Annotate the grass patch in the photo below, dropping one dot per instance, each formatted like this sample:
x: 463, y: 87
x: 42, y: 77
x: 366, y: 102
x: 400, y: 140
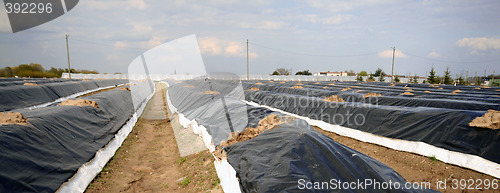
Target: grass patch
x: 185, y: 181
x: 433, y: 159
x: 182, y: 160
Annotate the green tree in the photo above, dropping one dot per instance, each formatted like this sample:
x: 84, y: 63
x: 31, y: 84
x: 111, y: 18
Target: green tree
x: 370, y: 78
x: 381, y: 78
x: 447, y: 78
x: 305, y: 72
x: 379, y: 72
x: 359, y: 78
x: 396, y: 79
x: 276, y: 72
x: 283, y: 71
x: 415, y: 79
x: 363, y: 73
x: 460, y: 80
x: 432, y: 79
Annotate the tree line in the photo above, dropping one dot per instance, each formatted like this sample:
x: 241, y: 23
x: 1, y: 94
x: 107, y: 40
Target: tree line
x: 433, y: 78
x: 34, y: 70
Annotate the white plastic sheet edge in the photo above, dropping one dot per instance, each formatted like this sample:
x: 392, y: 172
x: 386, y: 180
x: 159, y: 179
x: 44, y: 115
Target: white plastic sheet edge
x: 225, y: 171
x: 456, y: 158
x: 72, y: 96
x: 87, y: 172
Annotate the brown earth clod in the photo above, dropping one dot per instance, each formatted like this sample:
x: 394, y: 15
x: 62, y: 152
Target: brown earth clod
x: 253, y: 88
x: 79, y: 102
x: 345, y: 89
x: 407, y: 93
x: 490, y: 120
x: 333, y: 98
x: 297, y: 87
x: 210, y: 92
x: 125, y: 88
x: 249, y: 133
x: 30, y: 84
x: 12, y: 118
x: 371, y: 94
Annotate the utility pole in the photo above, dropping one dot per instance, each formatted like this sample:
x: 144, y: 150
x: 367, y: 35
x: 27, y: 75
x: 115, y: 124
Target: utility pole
x: 493, y: 77
x: 475, y: 79
x: 248, y: 68
x: 484, y: 79
x: 393, y: 54
x: 67, y: 51
x: 466, y: 76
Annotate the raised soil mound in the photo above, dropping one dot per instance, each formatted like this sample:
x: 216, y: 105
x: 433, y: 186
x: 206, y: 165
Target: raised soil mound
x: 333, y: 98
x: 188, y: 86
x: 456, y: 91
x: 253, y: 88
x: 12, y: 118
x: 210, y: 92
x: 297, y: 87
x: 345, y: 89
x: 490, y: 120
x: 265, y: 124
x: 407, y: 93
x: 371, y: 94
x: 79, y: 102
x: 30, y: 84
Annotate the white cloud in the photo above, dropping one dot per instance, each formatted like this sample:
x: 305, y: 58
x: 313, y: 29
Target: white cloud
x: 342, y: 5
x: 388, y: 54
x: 215, y: 46
x: 139, y: 4
x: 433, y: 55
x: 265, y: 25
x: 337, y: 19
x: 477, y: 44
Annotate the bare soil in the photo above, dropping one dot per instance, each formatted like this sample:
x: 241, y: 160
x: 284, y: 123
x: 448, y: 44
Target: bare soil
x: 333, y: 98
x: 79, y: 102
x: 149, y: 161
x: 413, y: 167
x: 210, y: 92
x: 371, y: 94
x: 12, y: 118
x: 30, y: 84
x: 345, y: 89
x: 490, y: 120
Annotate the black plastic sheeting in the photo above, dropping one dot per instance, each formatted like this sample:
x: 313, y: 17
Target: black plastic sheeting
x: 276, y: 160
x: 21, y: 81
x: 286, y: 158
x: 23, y: 96
x: 211, y: 110
x: 57, y: 140
x: 468, y: 99
x: 441, y: 127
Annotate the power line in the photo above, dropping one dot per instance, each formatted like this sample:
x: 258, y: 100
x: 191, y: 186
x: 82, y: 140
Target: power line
x: 317, y: 55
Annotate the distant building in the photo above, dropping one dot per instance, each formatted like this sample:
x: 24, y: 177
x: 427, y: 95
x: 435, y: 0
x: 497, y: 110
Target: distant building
x: 331, y: 73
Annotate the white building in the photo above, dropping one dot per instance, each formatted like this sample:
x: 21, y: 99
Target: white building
x: 331, y: 73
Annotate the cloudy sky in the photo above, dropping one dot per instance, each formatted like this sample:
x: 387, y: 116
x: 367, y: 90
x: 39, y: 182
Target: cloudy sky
x: 318, y: 35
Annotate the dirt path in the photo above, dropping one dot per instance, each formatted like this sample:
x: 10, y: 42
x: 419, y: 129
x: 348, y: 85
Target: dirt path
x: 149, y: 161
x: 417, y: 168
